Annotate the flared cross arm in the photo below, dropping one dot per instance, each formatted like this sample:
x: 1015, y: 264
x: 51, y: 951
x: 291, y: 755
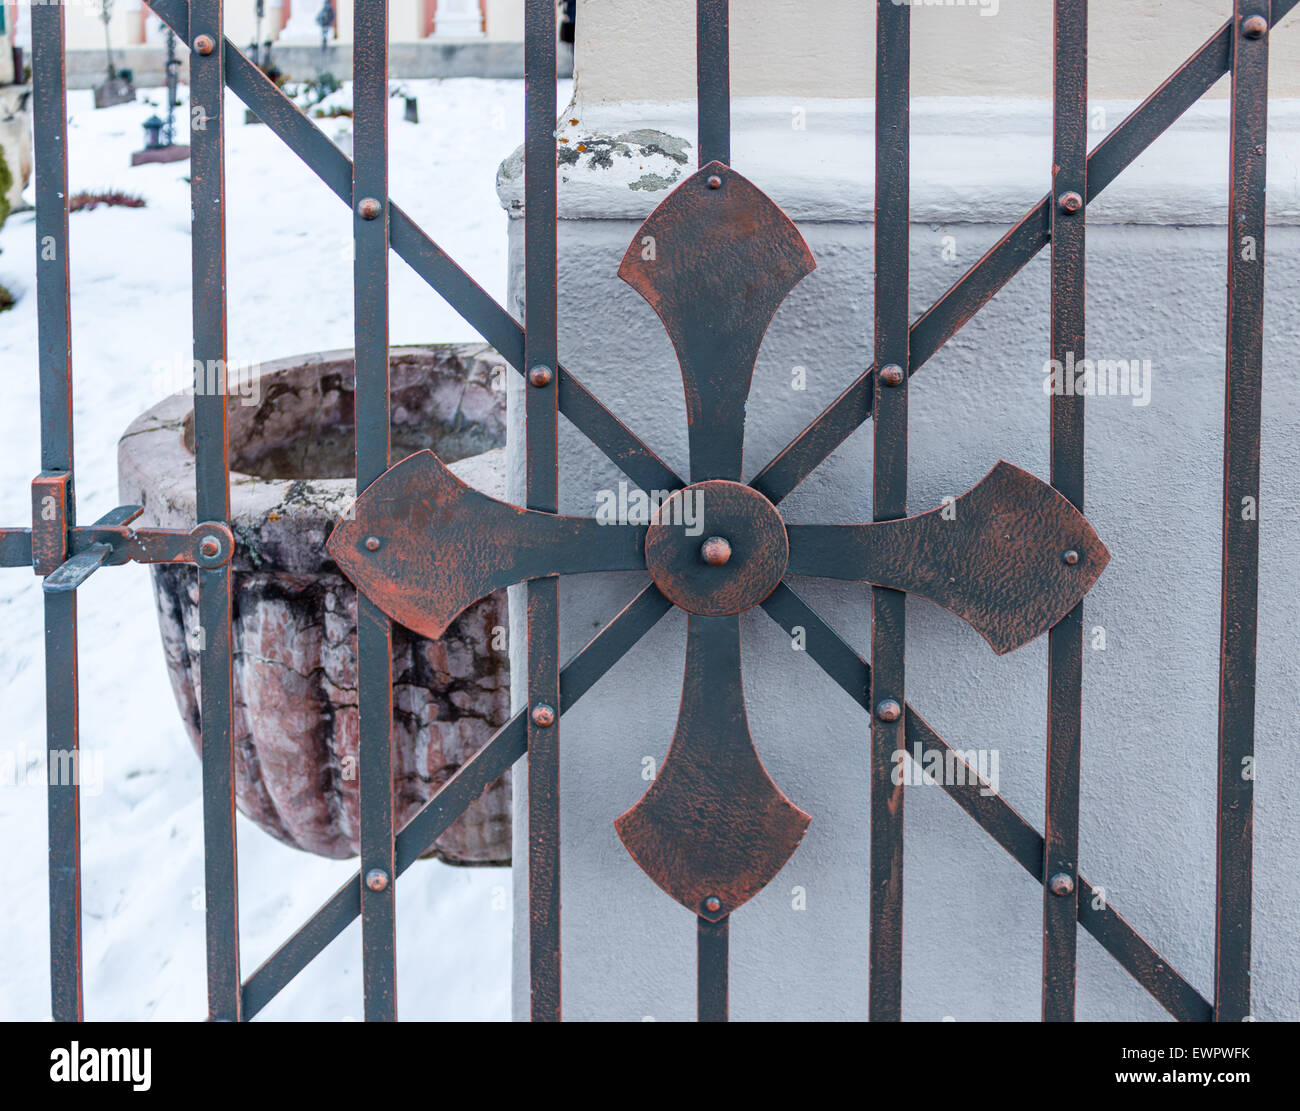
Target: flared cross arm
x: 715, y: 260
x: 713, y: 828
x: 1011, y: 556
x: 424, y: 546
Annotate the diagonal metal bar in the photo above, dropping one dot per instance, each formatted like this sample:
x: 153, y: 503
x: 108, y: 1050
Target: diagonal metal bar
x: 993, y: 813
x: 430, y: 261
x: 507, y: 745
x: 1004, y: 260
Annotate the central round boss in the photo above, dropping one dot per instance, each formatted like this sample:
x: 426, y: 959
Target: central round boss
x: 717, y: 548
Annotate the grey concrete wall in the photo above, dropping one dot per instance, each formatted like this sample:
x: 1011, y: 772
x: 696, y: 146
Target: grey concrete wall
x: 972, y: 946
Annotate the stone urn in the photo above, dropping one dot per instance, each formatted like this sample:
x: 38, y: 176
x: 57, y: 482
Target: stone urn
x: 294, y: 613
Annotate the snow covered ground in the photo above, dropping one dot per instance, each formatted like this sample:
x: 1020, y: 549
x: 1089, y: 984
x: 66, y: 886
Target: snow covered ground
x: 289, y: 285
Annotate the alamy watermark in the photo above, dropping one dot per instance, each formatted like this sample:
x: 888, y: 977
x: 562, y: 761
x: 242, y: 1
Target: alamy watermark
x: 986, y: 7
x: 1098, y: 378
x: 209, y: 378
x: 946, y: 767
x: 626, y: 506
x: 75, y: 767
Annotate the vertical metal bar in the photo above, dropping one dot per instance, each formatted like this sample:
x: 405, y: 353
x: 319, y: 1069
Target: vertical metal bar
x: 1065, y: 641
x: 713, y: 80
x: 64, y: 804
x: 713, y: 98
x: 1241, y: 439
x: 889, y: 502
x: 542, y: 426
x: 55, y: 353
x: 374, y: 629
x: 712, y: 941
x: 212, y: 488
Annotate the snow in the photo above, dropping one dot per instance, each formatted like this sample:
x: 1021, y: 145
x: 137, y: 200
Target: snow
x: 289, y: 291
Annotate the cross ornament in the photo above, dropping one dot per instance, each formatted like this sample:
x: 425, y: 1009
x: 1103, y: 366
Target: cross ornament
x: 1011, y: 556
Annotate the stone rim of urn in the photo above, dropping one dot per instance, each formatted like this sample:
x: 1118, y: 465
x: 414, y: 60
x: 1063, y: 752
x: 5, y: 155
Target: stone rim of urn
x: 294, y: 613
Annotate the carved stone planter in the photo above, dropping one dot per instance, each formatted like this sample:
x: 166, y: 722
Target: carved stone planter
x: 294, y: 616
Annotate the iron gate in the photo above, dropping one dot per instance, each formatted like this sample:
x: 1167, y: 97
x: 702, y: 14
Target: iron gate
x: 713, y: 828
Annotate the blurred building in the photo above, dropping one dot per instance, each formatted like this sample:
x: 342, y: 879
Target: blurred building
x: 430, y: 38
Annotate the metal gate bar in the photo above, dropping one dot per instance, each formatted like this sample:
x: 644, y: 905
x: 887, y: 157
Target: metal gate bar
x: 889, y: 502
x: 54, y: 344
x: 212, y: 489
x: 541, y: 419
x: 373, y: 456
x: 713, y: 144
x: 1241, y: 444
x: 1065, y: 641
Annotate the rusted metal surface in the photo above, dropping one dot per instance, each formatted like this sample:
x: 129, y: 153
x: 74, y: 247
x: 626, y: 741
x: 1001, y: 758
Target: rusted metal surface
x: 542, y: 436
x: 725, y: 258
x: 1065, y: 641
x: 1241, y: 447
x: 712, y: 982
x: 713, y: 80
x: 49, y: 533
x: 729, y: 572
x: 374, y: 630
x: 54, y: 347
x: 892, y: 227
x: 713, y: 829
x: 994, y: 556
x: 212, y: 489
x: 443, y: 545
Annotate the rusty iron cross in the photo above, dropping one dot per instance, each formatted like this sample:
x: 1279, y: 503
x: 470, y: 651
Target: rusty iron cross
x: 1011, y: 556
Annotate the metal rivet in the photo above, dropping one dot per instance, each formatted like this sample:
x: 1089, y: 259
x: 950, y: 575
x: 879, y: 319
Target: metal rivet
x: 892, y: 375
x: 1071, y: 557
x: 1071, y: 202
x: 376, y: 879
x: 369, y: 208
x: 715, y: 551
x: 540, y: 376
x: 543, y: 715
x: 372, y: 543
x: 1255, y: 27
x: 889, y: 710
x: 209, y: 547
x: 713, y: 904
x: 1061, y: 884
x: 204, y: 44
x: 715, y: 182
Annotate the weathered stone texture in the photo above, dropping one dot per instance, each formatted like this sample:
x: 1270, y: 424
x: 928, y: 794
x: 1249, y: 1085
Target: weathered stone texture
x: 295, y: 615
